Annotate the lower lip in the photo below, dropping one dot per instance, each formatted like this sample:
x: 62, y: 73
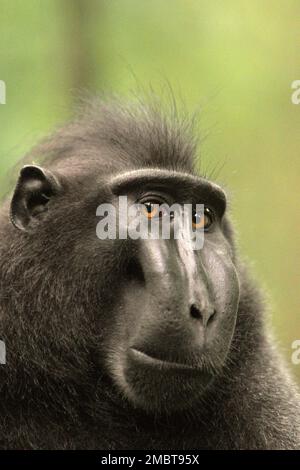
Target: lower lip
x: 144, y: 359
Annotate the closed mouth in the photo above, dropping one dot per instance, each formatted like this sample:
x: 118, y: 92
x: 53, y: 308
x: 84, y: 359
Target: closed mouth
x: 155, y: 362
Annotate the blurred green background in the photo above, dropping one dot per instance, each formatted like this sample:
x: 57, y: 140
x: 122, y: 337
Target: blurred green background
x: 235, y: 60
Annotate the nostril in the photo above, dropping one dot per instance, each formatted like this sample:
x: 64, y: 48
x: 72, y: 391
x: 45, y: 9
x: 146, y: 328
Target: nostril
x: 195, y: 312
x: 211, y: 317
x: 206, y: 316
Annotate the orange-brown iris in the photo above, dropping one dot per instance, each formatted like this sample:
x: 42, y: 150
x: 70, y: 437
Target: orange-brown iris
x: 151, y: 210
x: 202, y: 221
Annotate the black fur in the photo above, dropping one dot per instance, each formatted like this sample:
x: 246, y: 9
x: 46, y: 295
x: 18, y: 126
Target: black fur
x: 57, y: 287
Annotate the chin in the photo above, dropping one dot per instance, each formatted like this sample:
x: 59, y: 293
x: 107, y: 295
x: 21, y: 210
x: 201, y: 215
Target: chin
x: 160, y: 386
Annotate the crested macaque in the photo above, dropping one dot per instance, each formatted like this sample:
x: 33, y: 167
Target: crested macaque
x: 131, y: 343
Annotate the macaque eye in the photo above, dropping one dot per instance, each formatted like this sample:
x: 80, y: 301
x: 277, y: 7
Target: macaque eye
x: 150, y: 209
x: 203, y: 220
x: 154, y: 209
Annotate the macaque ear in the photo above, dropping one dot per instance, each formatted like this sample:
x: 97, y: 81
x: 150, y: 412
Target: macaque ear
x: 34, y: 189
